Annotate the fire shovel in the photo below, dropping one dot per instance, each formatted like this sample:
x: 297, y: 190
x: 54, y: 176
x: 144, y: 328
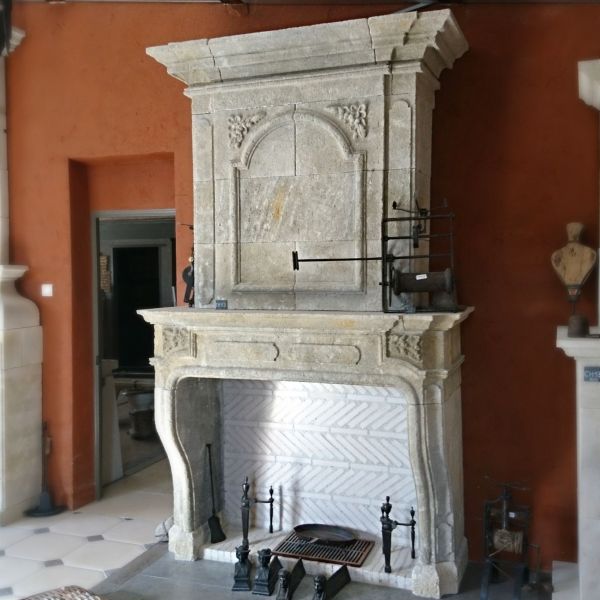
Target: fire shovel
x: 216, y: 531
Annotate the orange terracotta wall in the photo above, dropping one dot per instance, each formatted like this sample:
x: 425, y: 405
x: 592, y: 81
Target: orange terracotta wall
x: 127, y: 183
x: 514, y: 151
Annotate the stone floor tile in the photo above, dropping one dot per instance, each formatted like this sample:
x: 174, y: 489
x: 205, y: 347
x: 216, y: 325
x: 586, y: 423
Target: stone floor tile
x: 12, y: 535
x: 152, y: 588
x: 155, y: 478
x: 14, y: 569
x: 45, y: 546
x: 103, y: 555
x: 136, y: 531
x: 55, y: 577
x: 177, y: 570
x: 84, y: 525
x: 138, y: 505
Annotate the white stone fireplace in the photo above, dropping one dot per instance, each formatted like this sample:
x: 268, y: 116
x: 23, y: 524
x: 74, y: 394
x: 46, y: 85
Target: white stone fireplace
x: 581, y: 582
x: 303, y: 140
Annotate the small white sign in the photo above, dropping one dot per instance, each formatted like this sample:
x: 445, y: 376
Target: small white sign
x: 421, y: 276
x: 47, y: 290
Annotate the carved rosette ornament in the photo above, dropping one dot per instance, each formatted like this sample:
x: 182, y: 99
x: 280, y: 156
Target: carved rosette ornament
x: 355, y: 116
x: 239, y: 126
x: 406, y: 346
x: 175, y: 340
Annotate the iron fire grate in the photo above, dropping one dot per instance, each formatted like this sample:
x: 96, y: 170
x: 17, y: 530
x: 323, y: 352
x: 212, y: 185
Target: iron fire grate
x: 351, y: 555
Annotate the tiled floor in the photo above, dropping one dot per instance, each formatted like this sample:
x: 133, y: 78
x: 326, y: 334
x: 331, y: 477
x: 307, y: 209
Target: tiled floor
x: 84, y: 547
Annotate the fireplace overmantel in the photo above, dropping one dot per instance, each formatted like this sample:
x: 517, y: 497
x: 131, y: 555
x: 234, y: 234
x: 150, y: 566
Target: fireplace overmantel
x: 304, y: 139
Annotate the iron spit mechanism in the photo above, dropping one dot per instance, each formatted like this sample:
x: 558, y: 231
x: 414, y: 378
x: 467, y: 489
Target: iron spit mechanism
x: 403, y: 283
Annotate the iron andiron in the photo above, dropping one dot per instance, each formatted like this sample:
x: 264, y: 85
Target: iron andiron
x: 266, y: 573
x: 326, y: 589
x: 247, y: 503
x: 241, y: 575
x: 288, y: 582
x: 388, y: 525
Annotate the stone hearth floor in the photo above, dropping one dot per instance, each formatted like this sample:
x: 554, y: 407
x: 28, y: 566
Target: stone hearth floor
x: 156, y: 576
x: 370, y: 572
x: 86, y: 546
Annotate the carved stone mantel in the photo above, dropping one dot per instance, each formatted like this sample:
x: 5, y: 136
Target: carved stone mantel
x: 419, y: 354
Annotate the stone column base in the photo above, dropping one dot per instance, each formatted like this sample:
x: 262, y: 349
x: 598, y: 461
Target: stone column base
x: 20, y: 399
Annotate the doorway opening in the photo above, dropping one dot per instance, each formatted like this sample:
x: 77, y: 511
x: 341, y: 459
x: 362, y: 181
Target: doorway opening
x: 135, y: 269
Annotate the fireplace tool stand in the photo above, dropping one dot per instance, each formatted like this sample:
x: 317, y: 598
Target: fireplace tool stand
x: 401, y: 290
x: 388, y: 525
x: 241, y: 577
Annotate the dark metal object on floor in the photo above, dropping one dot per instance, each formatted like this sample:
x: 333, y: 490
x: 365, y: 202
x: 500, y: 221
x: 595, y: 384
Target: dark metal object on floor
x: 388, y: 525
x: 326, y: 589
x: 289, y: 582
x: 241, y: 575
x: 267, y: 573
x: 46, y: 506
x: 506, y: 543
x: 214, y: 525
x: 352, y: 554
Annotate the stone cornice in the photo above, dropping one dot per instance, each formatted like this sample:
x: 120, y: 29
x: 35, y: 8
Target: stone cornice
x: 330, y: 321
x: 589, y: 82
x: 432, y: 37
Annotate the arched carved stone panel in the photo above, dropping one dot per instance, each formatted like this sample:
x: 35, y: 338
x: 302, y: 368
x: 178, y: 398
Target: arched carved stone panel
x: 284, y: 196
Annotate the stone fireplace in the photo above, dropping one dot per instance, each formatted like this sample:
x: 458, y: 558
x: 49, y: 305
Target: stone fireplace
x: 303, y: 140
